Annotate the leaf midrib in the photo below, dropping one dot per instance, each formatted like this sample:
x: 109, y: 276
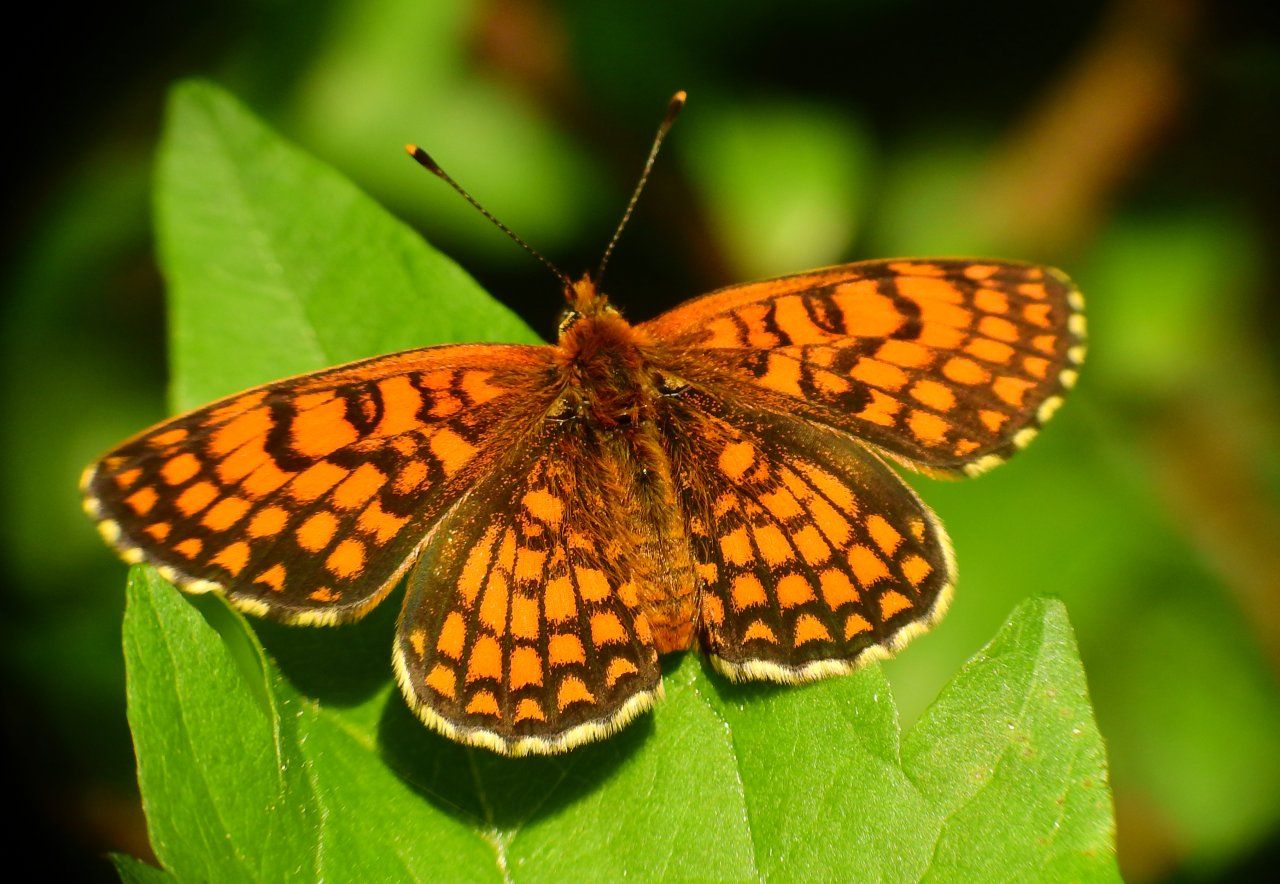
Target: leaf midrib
x: 739, y: 782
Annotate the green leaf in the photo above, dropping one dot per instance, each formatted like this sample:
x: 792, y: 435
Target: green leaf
x: 134, y: 871
x: 244, y: 780
x: 275, y: 260
x: 242, y: 777
x: 281, y: 752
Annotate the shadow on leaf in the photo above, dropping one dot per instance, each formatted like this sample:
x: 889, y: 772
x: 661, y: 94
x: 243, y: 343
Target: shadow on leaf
x: 491, y: 790
x: 339, y: 666
x: 742, y: 693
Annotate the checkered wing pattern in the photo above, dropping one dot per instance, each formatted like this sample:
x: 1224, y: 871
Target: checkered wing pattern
x: 948, y: 366
x: 522, y: 630
x: 813, y: 556
x: 306, y: 499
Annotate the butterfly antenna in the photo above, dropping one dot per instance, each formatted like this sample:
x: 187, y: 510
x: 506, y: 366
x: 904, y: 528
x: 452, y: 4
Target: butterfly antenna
x: 673, y: 109
x: 425, y: 160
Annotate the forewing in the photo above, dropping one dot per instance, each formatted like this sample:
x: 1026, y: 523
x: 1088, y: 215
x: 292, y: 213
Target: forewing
x: 814, y: 556
x: 305, y: 499
x: 946, y: 365
x: 522, y: 630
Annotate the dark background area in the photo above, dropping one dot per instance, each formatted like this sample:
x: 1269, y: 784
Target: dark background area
x: 1131, y: 142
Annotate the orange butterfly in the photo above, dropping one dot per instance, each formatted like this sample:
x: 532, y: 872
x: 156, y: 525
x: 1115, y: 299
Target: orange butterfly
x: 576, y: 510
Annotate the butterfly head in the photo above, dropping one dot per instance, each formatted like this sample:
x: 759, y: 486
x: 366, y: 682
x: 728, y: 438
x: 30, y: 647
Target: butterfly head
x: 585, y: 301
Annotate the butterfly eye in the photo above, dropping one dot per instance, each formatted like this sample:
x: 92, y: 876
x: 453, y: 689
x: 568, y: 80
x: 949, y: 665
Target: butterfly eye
x: 567, y: 319
x: 669, y: 385
x: 563, y: 409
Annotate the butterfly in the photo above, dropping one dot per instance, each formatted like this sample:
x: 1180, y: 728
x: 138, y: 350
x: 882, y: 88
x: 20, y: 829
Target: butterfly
x: 567, y: 513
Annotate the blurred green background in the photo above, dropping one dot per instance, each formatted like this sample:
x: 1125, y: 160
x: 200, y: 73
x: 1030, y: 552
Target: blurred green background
x: 1131, y: 142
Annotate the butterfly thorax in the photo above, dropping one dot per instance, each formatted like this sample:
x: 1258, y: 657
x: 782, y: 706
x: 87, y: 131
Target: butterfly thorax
x: 601, y: 364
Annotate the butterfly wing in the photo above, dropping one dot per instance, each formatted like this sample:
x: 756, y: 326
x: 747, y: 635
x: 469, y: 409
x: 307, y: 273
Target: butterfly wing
x: 305, y: 499
x: 522, y: 630
x: 814, y: 556
x: 948, y: 366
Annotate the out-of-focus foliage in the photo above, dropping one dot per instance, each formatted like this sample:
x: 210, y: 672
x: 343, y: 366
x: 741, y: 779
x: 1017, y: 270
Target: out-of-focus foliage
x: 1122, y: 141
x: 785, y: 184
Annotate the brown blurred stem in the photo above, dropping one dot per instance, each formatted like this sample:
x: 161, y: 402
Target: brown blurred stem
x: 1049, y: 183
x: 1048, y: 187
x: 1210, y: 473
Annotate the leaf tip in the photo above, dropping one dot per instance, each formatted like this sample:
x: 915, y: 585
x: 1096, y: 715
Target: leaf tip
x: 191, y: 89
x: 1048, y: 610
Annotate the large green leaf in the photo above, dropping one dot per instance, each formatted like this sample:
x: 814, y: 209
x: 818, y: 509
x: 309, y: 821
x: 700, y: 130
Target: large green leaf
x: 278, y: 265
x: 244, y: 778
x: 278, y: 752
x: 134, y: 871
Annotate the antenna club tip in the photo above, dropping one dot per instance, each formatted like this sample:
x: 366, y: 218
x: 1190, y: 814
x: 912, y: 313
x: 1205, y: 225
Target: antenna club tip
x: 424, y: 159
x: 673, y: 108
